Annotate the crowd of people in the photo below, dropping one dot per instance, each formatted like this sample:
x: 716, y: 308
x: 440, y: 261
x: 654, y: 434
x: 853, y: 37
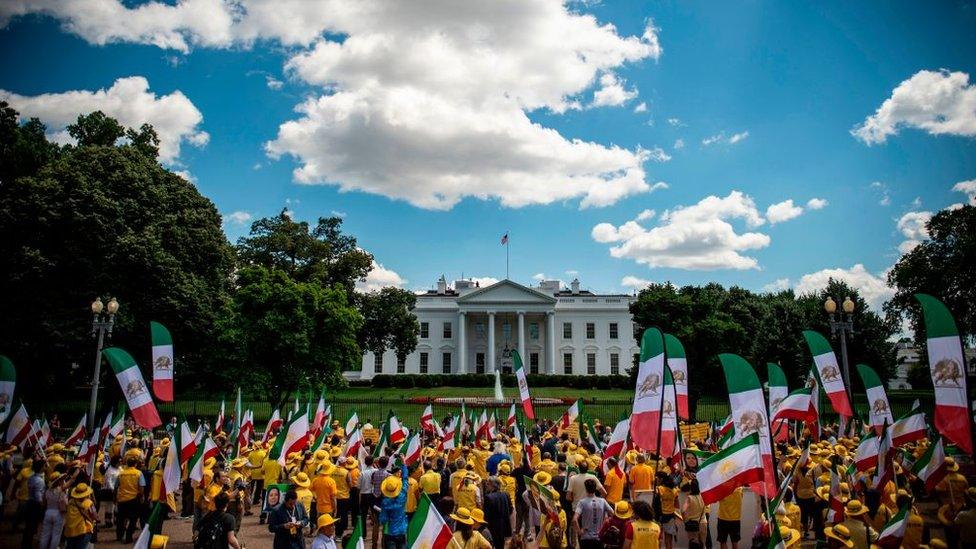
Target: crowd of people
x: 555, y: 492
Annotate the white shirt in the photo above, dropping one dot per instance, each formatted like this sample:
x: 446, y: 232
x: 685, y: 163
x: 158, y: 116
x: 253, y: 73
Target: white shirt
x: 366, y: 480
x: 323, y: 541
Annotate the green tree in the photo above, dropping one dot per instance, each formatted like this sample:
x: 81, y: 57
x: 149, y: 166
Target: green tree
x: 23, y: 147
x: 941, y: 266
x: 101, y: 219
x: 388, y: 322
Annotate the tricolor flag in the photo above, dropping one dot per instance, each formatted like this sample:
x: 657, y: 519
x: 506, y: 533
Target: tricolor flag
x: 354, y: 441
x: 273, y: 423
x: 795, y: 406
x: 19, y: 427
x: 669, y: 422
x: 427, y: 529
x: 866, y: 455
x: 813, y: 421
x: 219, y: 425
x: 591, y: 435
x: 570, y: 415
x: 526, y: 443
x: 395, y: 430
x: 410, y: 450
x: 293, y: 438
x: 909, y: 427
x: 427, y: 418
x: 678, y: 363
x: 356, y: 540
x: 886, y: 470
x: 163, y: 361
x: 645, y: 420
x: 450, y: 433
x: 172, y: 470
x: 133, y: 387
x: 118, y: 423
x: 948, y: 368
x: 153, y: 527
x: 510, y: 422
x: 878, y: 410
x: 206, y: 449
x: 44, y: 434
x: 8, y: 381
x: 894, y: 530
x: 778, y: 391
x: 738, y: 465
x: 352, y: 422
x: 618, y: 440
x: 727, y: 425
x: 835, y: 507
x: 523, y: 385
x: 104, y: 429
x: 318, y: 442
x: 188, y: 442
x: 931, y: 468
x: 749, y: 411
x: 78, y: 434
x: 830, y: 374
x: 318, y: 422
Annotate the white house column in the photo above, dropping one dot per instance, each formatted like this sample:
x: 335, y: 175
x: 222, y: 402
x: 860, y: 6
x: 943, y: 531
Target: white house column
x: 521, y: 335
x: 462, y: 344
x: 491, y: 342
x: 551, y: 342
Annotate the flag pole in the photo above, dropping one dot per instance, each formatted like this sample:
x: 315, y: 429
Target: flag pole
x: 508, y: 247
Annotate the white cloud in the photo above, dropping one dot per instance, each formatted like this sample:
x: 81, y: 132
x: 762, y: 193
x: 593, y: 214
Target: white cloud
x: 679, y: 143
x: 697, y: 237
x: 612, y: 92
x: 484, y: 281
x: 885, y: 199
x: 968, y: 188
x: 634, y: 282
x: 645, y: 215
x: 380, y: 277
x: 939, y: 102
x: 571, y: 272
x: 185, y: 174
x: 174, y: 117
x: 777, y: 285
x: 872, y: 287
x: 273, y: 83
x: 657, y: 154
x: 721, y: 138
x: 912, y: 227
x: 239, y: 217
x: 337, y: 213
x: 539, y: 277
x: 817, y: 203
x: 641, y: 107
x: 675, y: 122
x: 783, y: 211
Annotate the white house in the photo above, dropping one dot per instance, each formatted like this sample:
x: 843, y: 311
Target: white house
x: 469, y: 329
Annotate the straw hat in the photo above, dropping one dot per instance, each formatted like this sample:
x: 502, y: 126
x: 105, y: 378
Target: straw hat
x: 326, y: 468
x: 840, y: 533
x: 542, y: 478
x: 946, y: 514
x: 351, y: 463
x: 463, y: 515
x: 159, y: 541
x: 789, y: 535
x: 478, y: 515
x: 209, y: 463
x: 505, y: 469
x: 335, y: 452
x: 391, y: 486
x: 855, y: 508
x: 483, y: 444
x: 623, y: 510
x: 321, y: 455
x: 55, y: 448
x: 301, y: 480
x: 951, y: 464
x: 164, y: 443
x: 238, y: 463
x: 325, y: 519
x: 428, y: 452
x: 81, y: 490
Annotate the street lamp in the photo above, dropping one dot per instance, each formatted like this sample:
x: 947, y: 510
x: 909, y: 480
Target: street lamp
x: 843, y: 327
x: 101, y: 327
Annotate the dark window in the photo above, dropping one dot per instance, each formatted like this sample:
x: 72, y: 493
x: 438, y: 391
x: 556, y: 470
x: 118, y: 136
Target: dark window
x: 613, y: 330
x: 591, y: 363
x: 446, y: 363
x: 614, y: 364
x: 424, y: 330
x: 423, y: 362
x: 533, y: 330
x: 567, y: 330
x: 378, y: 363
x: 448, y: 332
x: 568, y: 363
x: 401, y: 365
x: 479, y: 363
x: 590, y: 330
x: 533, y: 363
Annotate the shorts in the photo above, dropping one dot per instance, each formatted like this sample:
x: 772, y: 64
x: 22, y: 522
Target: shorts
x: 729, y: 530
x: 668, y: 525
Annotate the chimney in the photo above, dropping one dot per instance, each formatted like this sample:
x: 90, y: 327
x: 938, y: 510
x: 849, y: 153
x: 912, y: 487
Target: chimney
x: 441, y: 285
x: 574, y: 285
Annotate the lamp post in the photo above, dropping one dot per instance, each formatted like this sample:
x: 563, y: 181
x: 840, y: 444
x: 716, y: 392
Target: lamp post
x: 101, y: 327
x: 843, y: 327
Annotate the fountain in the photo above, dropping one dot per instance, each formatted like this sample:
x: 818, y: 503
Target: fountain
x: 498, y: 386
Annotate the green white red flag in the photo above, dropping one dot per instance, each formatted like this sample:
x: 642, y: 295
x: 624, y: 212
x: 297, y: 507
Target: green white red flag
x: 172, y: 470
x: 219, y: 424
x: 395, y: 430
x: 570, y: 415
x: 738, y: 465
x: 749, y: 412
x: 448, y: 441
x: 318, y: 422
x: 510, y: 422
x: 410, y: 450
x: 19, y: 427
x: 352, y: 422
x: 133, y: 387
x: 830, y: 375
x: 274, y: 422
x: 356, y: 540
x: 948, y: 369
x: 154, y: 525
x: 931, y: 468
x: 795, y: 406
x: 879, y: 411
x: 523, y: 385
x: 188, y: 442
x: 354, y: 441
x: 678, y: 363
x: 866, y: 455
x: 427, y: 528
x: 778, y: 391
x: 645, y: 422
x: 163, y: 361
x: 909, y: 427
x: 427, y: 418
x: 894, y: 530
x: 206, y: 449
x: 8, y: 382
x: 78, y: 433
x: 292, y: 438
x: 669, y: 421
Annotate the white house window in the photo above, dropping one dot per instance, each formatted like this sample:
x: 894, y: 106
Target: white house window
x: 448, y: 331
x: 590, y: 330
x: 591, y: 363
x: 534, y: 330
x: 479, y: 363
x: 613, y: 330
x: 424, y: 361
x: 479, y: 330
x: 401, y: 365
x: 424, y: 330
x: 446, y: 363
x: 568, y: 363
x: 378, y: 363
x: 614, y: 364
x: 533, y: 363
x: 567, y: 330
x: 506, y: 332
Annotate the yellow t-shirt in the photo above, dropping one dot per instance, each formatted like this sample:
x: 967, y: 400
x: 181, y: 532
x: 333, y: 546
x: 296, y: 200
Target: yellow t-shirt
x: 546, y: 524
x: 22, y: 477
x: 481, y: 462
x: 467, y: 496
x: 614, y: 484
x: 339, y: 476
x: 640, y: 477
x: 305, y: 497
x: 75, y: 521
x: 476, y: 541
x: 128, y: 484
x: 669, y: 497
x: 272, y: 472
x: 324, y: 489
x: 646, y: 534
x: 508, y: 486
x: 413, y: 495
x: 730, y: 507
x: 431, y: 482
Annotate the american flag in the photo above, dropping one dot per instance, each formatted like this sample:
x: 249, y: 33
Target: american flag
x: 504, y: 239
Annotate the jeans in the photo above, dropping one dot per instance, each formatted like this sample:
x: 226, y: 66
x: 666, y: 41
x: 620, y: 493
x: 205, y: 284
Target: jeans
x: 51, y: 529
x: 126, y: 519
x: 33, y: 513
x: 395, y: 542
x: 342, y: 516
x: 77, y: 542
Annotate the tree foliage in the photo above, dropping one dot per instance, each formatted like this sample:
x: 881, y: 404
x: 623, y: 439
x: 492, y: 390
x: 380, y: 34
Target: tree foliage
x: 388, y: 322
x: 942, y: 266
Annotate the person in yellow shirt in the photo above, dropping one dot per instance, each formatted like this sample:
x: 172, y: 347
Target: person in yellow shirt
x: 430, y: 482
x: 465, y: 535
x: 667, y: 492
x: 457, y: 477
x: 129, y: 495
x: 642, y: 532
x: 952, y: 488
x: 729, y: 519
x: 546, y: 523
x: 480, y: 456
x: 547, y: 465
x: 324, y: 489
x: 640, y: 476
x: 80, y: 518
x: 413, y: 497
x: 506, y: 481
x: 302, y: 483
x: 342, y: 478
x: 468, y: 493
x: 614, y: 482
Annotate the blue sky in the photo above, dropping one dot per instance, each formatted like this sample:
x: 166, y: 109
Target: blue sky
x: 789, y: 81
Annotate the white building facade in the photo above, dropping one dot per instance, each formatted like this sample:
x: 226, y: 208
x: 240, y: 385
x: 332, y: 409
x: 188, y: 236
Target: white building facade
x: 470, y: 329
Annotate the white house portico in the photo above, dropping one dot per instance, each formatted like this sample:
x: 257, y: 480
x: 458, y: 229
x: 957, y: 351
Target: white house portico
x: 470, y: 329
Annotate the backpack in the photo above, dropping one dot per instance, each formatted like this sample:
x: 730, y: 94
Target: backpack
x: 612, y: 537
x: 554, y: 535
x: 211, y: 534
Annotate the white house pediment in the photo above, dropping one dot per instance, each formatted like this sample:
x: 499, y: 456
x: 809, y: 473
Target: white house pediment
x: 506, y: 292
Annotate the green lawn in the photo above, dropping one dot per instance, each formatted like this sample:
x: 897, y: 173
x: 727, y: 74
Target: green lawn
x: 434, y: 392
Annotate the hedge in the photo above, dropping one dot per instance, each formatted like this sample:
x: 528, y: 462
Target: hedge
x: 409, y: 381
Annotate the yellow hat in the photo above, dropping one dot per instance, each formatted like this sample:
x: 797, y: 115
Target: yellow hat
x: 55, y: 448
x: 946, y: 514
x: 159, y: 541
x: 301, y: 479
x: 951, y: 464
x: 238, y: 463
x: 428, y: 452
x: 789, y: 535
x: 854, y: 508
x: 325, y: 519
x: 505, y: 469
x: 164, y: 443
x: 321, y: 455
x: 351, y: 463
x: 209, y: 463
x: 326, y: 468
x: 623, y: 510
x: 542, y: 478
x: 483, y: 444
x: 478, y: 515
x: 463, y: 515
x: 336, y: 451
x: 391, y: 487
x: 840, y: 533
x: 81, y: 490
